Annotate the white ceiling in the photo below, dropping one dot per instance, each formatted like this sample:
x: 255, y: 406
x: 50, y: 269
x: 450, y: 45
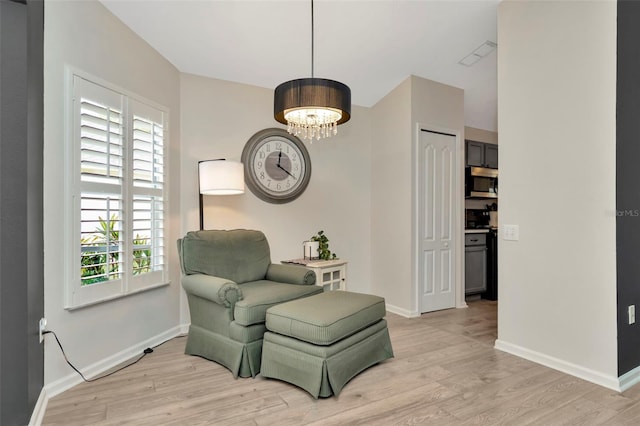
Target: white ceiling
x: 371, y: 46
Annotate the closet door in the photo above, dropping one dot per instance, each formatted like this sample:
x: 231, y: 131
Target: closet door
x: 437, y: 230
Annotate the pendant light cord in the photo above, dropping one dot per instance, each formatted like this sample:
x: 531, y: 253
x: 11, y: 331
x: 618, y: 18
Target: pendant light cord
x: 312, y: 35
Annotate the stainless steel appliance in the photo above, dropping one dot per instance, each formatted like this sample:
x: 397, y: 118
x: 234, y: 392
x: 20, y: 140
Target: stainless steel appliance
x: 481, y: 182
x: 476, y: 218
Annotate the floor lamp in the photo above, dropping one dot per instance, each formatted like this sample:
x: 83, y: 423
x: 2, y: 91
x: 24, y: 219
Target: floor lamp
x: 219, y: 177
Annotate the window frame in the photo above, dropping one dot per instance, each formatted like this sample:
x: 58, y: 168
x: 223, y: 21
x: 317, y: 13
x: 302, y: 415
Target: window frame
x: 76, y: 294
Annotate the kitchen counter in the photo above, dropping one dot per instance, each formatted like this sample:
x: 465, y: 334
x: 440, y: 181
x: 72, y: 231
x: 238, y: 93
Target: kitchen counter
x: 476, y: 231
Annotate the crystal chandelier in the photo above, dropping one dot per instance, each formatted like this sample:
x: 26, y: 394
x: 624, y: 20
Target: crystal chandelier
x: 312, y: 108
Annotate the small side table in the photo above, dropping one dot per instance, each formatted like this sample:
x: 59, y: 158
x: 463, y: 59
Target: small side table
x: 330, y: 274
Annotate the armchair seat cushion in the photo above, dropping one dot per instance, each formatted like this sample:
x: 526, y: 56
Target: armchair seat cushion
x: 258, y: 296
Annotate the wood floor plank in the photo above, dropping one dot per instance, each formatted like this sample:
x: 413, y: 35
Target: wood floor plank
x: 396, y: 406
x: 581, y: 412
x: 497, y: 393
x: 445, y: 372
x: 630, y: 416
x: 612, y: 399
x: 527, y: 410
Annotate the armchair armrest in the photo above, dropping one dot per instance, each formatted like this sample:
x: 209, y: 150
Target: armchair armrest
x: 219, y: 290
x: 290, y: 274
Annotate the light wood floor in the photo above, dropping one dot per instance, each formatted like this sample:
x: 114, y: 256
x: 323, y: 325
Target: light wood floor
x: 445, y: 371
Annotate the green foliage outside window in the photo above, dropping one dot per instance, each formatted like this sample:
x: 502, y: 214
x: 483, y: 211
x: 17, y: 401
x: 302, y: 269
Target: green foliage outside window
x: 99, y: 260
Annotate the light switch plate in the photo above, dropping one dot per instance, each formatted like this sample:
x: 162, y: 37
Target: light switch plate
x: 511, y: 232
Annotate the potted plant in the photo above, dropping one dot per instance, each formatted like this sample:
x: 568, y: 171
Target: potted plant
x: 323, y: 249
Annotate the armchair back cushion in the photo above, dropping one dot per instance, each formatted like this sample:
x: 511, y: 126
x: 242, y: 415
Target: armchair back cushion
x: 239, y: 255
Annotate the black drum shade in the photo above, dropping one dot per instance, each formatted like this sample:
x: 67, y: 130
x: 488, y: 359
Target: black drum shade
x: 312, y: 108
x: 313, y: 93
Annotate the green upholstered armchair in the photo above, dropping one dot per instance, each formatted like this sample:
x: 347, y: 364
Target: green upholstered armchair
x: 230, y: 283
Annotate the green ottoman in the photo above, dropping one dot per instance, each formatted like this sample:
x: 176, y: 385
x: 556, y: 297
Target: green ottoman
x: 321, y: 342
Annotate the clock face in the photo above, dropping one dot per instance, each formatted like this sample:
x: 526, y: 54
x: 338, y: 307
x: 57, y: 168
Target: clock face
x: 277, y: 166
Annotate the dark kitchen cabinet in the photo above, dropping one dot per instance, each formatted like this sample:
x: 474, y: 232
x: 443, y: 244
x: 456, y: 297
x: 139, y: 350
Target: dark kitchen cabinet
x: 491, y: 155
x: 475, y: 154
x: 480, y: 154
x: 475, y: 258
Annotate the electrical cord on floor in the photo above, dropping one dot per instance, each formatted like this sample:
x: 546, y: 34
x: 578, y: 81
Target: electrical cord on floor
x: 146, y: 352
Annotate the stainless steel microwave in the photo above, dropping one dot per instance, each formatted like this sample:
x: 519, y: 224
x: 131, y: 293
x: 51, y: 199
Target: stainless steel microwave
x: 480, y: 182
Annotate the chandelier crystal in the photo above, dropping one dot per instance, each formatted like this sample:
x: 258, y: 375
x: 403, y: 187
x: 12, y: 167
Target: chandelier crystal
x: 315, y: 122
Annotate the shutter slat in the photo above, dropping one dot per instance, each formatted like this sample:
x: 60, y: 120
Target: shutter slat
x: 148, y: 170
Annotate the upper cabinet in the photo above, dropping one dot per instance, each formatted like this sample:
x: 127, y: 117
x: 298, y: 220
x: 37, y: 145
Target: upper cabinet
x: 480, y: 154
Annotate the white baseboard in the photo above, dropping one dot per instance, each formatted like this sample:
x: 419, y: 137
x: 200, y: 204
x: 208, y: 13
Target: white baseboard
x: 629, y: 379
x: 95, y: 369
x: 587, y: 374
x: 184, y: 328
x: 402, y: 312
x: 39, y: 409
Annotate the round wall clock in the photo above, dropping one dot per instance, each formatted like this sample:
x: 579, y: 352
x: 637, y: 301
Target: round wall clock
x: 277, y: 167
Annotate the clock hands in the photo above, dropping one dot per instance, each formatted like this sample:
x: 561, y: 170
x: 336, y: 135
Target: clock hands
x: 285, y: 170
x: 282, y: 168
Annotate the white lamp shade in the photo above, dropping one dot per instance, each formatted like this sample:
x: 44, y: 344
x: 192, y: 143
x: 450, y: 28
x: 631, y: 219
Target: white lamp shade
x: 221, y: 177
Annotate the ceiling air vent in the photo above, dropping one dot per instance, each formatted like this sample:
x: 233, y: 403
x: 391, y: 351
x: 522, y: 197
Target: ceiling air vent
x: 482, y: 51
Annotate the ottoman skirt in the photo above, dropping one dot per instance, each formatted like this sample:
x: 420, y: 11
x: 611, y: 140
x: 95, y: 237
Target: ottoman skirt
x: 324, y: 370
x: 321, y: 342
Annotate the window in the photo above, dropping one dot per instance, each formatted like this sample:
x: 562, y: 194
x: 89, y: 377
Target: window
x: 116, y: 179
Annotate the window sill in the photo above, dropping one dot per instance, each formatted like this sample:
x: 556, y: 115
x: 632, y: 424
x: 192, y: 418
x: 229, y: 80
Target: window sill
x: 116, y: 296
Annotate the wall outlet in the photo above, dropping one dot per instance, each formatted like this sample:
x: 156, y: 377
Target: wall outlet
x: 42, y: 326
x: 511, y: 232
x: 632, y: 314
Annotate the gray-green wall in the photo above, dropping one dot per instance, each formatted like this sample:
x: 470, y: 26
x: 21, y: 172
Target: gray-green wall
x: 627, y: 182
x: 21, y: 247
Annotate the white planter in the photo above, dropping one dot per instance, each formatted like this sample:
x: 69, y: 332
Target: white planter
x: 310, y: 249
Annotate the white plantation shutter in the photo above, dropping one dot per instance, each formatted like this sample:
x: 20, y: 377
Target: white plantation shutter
x: 119, y: 190
x: 148, y: 187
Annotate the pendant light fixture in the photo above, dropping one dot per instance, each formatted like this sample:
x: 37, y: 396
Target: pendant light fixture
x: 312, y: 107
